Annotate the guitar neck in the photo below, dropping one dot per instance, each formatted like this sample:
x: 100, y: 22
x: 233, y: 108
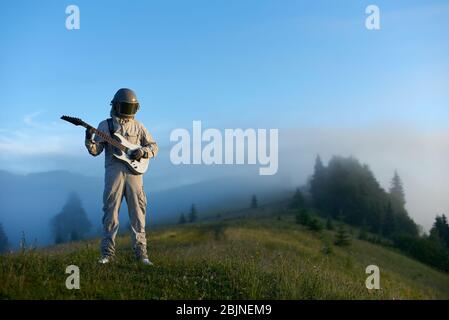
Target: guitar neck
x: 103, y: 135
x: 106, y: 137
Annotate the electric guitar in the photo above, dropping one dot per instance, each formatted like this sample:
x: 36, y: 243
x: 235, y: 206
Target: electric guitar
x: 123, y: 147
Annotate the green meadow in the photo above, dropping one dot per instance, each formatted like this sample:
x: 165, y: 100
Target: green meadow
x: 265, y: 256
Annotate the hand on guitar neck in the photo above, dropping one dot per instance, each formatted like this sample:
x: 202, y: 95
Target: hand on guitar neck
x: 89, y: 133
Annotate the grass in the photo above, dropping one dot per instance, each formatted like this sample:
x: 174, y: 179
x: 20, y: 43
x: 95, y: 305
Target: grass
x: 247, y: 258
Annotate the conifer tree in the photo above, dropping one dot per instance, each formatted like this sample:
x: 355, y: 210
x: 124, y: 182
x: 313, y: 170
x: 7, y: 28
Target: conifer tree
x: 440, y: 231
x: 389, y: 224
x: 314, y: 224
x: 71, y: 224
x: 182, y: 219
x: 302, y: 217
x: 317, y: 184
x: 397, y: 190
x: 254, y: 203
x: 342, y: 238
x: 298, y: 201
x: 4, y: 243
x: 193, y: 214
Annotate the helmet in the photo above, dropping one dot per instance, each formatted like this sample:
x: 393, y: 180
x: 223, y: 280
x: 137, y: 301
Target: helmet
x: 125, y: 103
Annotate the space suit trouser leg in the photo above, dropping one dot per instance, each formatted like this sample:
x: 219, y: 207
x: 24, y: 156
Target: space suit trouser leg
x: 114, y: 189
x: 137, y: 205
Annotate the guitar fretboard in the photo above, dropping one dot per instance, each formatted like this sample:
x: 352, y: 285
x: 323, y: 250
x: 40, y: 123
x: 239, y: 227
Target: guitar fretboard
x: 106, y: 137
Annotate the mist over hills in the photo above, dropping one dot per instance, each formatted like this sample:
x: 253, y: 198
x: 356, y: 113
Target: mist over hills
x: 27, y: 202
x: 420, y: 158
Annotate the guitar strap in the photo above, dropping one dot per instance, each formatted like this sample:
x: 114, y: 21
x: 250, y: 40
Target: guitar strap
x: 111, y: 127
x: 111, y: 130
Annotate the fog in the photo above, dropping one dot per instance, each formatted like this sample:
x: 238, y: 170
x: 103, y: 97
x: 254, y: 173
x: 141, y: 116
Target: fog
x: 27, y: 202
x: 421, y: 158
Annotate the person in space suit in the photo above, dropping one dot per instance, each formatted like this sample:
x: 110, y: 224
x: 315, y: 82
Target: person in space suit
x: 119, y: 180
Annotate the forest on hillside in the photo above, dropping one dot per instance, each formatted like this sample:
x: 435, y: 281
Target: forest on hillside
x: 346, y: 190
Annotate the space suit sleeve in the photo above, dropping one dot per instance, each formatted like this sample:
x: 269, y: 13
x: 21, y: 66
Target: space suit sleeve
x: 149, y: 146
x: 95, y: 146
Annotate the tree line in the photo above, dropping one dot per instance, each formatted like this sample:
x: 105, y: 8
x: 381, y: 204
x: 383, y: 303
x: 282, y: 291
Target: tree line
x: 346, y: 190
x: 191, y: 217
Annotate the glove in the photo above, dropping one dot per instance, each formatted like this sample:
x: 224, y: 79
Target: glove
x: 137, y: 154
x: 89, y: 133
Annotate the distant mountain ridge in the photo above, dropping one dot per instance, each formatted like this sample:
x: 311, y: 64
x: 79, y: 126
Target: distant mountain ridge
x: 27, y: 202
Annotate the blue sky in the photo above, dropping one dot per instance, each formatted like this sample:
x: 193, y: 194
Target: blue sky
x: 228, y: 63
x: 309, y: 68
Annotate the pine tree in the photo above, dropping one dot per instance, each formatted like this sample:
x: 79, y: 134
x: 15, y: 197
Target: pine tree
x: 193, y: 215
x: 445, y: 231
x: 71, y: 224
x: 440, y: 231
x: 315, y: 225
x: 319, y: 167
x: 397, y: 190
x: 182, y: 219
x: 74, y: 236
x: 298, y: 201
x: 4, y: 243
x: 389, y: 223
x: 342, y: 238
x: 23, y: 242
x: 254, y: 204
x: 317, y: 183
x: 302, y: 217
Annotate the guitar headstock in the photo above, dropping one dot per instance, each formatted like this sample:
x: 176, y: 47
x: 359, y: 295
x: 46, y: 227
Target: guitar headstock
x: 75, y: 121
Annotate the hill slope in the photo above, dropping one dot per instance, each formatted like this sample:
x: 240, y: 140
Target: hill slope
x: 245, y: 258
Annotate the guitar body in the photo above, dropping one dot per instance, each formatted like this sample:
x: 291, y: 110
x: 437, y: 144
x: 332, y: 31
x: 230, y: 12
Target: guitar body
x: 137, y: 167
x: 122, y: 147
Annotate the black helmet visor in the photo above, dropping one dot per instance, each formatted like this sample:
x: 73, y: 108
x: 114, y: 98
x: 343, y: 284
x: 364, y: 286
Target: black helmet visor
x: 128, y: 109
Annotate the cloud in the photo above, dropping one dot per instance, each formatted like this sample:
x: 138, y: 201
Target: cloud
x: 29, y: 119
x: 33, y: 137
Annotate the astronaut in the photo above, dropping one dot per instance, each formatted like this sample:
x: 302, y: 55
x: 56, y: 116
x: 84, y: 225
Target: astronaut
x: 119, y: 180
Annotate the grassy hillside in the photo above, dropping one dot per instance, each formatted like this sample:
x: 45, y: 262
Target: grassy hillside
x: 246, y: 258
